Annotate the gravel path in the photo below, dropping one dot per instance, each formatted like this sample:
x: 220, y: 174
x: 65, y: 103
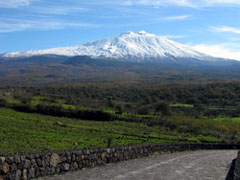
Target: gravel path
x: 196, y: 165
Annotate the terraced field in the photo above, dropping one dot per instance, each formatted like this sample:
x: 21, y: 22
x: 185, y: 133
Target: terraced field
x: 29, y: 132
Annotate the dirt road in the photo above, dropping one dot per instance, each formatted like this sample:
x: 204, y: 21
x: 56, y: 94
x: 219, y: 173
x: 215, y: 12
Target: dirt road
x: 195, y: 165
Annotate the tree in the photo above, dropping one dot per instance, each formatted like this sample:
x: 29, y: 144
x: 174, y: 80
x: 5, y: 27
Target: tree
x: 143, y: 110
x: 127, y: 107
x: 119, y: 109
x: 163, y: 108
x: 199, y: 107
x: 110, y: 104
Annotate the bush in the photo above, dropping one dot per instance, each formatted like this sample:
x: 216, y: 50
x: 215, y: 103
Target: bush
x: 119, y: 109
x: 4, y: 103
x: 144, y: 110
x: 163, y: 108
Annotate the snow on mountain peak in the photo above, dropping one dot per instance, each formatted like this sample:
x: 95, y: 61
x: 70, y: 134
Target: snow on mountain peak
x: 142, y: 32
x: 128, y: 46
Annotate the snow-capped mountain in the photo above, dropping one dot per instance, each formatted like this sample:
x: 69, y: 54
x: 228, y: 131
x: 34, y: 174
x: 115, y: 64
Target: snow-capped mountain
x: 128, y: 46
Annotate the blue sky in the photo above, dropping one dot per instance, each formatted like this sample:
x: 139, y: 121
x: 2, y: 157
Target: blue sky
x: 210, y: 26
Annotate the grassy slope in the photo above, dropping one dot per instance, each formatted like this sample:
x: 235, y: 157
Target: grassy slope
x: 228, y: 119
x: 23, y: 132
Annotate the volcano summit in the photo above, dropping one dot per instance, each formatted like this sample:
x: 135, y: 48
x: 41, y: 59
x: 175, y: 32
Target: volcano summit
x: 129, y: 46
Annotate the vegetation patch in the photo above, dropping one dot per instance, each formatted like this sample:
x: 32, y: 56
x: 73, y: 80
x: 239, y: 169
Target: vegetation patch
x: 29, y: 132
x: 99, y: 114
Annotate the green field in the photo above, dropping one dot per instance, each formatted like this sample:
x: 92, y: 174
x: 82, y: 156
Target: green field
x: 121, y: 113
x: 26, y: 132
x: 182, y: 105
x: 228, y: 119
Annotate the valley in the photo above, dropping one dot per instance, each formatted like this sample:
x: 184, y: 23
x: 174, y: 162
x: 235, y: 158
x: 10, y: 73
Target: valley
x: 125, y: 113
x: 137, y: 88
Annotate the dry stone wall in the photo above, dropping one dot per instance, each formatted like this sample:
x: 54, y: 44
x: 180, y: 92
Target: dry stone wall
x: 33, y: 165
x: 236, y: 174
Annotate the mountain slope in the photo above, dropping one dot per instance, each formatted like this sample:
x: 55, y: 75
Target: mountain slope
x: 128, y: 47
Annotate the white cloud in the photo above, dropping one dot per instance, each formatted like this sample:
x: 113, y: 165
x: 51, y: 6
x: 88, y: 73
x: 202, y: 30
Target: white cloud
x: 211, y: 2
x: 20, y: 25
x: 187, y: 3
x: 58, y: 10
x: 233, y: 38
x: 184, y: 3
x: 225, y: 29
x: 218, y: 50
x: 44, y: 8
x: 5, y: 27
x: 14, y: 3
x: 175, y: 18
x: 127, y: 3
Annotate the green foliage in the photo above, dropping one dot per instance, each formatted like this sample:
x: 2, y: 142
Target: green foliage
x: 143, y: 110
x: 136, y: 113
x: 3, y: 103
x: 163, y: 108
x: 27, y: 132
x: 110, y: 104
x: 119, y: 109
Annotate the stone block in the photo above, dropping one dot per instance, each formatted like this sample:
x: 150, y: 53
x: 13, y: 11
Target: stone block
x: 25, y: 174
x: 27, y: 164
x: 66, y: 167
x: 2, y: 159
x: 55, y: 160
x: 4, y: 167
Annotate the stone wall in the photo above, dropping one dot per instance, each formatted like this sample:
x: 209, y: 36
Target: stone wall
x: 236, y: 174
x: 33, y: 165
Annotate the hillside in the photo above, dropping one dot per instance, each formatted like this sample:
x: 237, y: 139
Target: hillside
x: 26, y: 132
